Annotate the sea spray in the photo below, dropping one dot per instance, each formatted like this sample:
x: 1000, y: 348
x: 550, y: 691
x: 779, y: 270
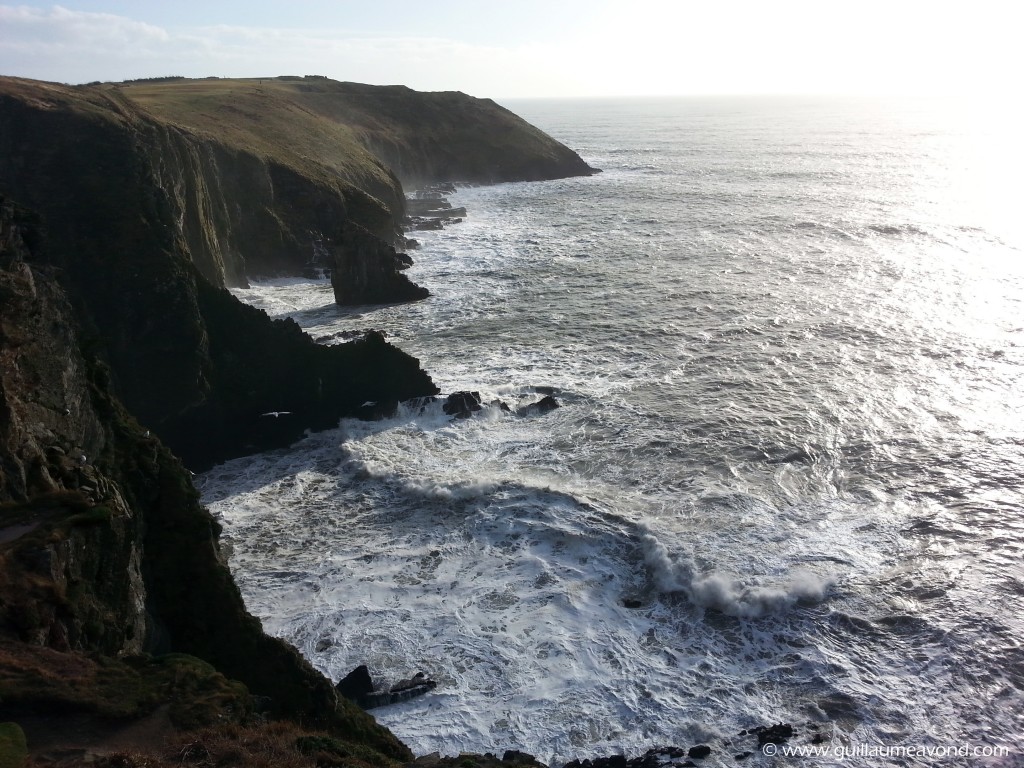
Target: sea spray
x: 723, y: 593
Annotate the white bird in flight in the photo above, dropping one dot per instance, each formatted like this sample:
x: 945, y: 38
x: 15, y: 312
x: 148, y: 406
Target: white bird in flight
x: 275, y: 414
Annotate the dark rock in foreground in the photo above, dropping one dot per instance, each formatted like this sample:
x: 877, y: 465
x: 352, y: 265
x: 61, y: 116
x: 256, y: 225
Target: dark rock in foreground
x: 106, y: 547
x: 358, y: 686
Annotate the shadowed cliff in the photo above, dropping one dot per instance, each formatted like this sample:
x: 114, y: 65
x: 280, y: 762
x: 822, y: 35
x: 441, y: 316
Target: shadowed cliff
x: 119, y: 195
x: 105, y: 548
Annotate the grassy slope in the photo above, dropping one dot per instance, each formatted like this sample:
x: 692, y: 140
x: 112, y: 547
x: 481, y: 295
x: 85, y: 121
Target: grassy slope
x: 270, y: 118
x: 421, y: 137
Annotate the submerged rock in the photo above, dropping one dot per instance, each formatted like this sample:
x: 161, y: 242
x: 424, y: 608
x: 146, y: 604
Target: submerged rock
x: 773, y: 734
x: 544, y: 405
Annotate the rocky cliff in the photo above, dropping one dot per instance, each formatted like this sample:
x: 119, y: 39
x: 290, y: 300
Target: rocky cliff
x: 141, y: 228
x: 104, y: 546
x: 123, y: 356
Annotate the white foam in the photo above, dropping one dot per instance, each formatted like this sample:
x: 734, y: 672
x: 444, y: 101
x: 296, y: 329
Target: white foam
x: 725, y: 593
x: 429, y: 543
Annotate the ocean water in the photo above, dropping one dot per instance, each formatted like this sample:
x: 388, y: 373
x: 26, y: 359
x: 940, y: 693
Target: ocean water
x: 786, y: 479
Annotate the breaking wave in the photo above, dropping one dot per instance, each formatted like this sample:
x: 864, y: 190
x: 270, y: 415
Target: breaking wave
x: 724, y: 593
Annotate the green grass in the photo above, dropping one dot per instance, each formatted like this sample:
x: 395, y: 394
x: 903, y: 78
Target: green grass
x: 13, y: 749
x: 272, y: 118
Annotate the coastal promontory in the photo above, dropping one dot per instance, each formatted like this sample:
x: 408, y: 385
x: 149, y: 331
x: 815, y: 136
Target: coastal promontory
x: 126, y: 211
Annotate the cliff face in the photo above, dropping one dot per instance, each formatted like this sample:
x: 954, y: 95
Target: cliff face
x: 138, y: 209
x: 258, y: 177
x: 91, y: 161
x: 444, y: 136
x: 104, y: 545
x: 421, y: 137
x: 135, y: 217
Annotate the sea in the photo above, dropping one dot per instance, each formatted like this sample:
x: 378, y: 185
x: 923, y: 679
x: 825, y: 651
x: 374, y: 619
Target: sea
x: 786, y: 478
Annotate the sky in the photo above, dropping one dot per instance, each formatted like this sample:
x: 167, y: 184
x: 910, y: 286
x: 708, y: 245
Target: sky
x: 532, y: 48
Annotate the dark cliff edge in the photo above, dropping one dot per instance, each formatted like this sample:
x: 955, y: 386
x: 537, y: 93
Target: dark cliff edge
x: 108, y: 561
x: 124, y: 211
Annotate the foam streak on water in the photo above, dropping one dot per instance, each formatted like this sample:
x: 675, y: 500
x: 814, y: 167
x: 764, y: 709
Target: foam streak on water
x: 787, y: 341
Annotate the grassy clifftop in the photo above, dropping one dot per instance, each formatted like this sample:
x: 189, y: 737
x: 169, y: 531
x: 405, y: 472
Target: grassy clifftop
x: 270, y: 118
x: 421, y: 137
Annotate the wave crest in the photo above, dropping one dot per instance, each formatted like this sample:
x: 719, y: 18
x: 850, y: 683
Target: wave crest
x: 724, y: 593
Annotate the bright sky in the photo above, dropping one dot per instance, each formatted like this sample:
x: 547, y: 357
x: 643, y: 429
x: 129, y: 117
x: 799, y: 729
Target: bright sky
x: 519, y: 48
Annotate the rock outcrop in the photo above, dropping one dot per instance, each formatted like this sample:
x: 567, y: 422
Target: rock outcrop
x: 373, y: 275
x: 131, y: 225
x: 358, y: 686
x: 104, y: 546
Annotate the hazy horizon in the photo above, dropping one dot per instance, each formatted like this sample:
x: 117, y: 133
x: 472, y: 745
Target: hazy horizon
x: 533, y: 50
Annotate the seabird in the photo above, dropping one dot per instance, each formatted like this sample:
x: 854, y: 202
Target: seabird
x: 368, y: 403
x: 275, y: 414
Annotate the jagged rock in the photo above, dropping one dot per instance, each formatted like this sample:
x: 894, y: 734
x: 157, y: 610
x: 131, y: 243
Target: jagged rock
x: 386, y: 698
x: 422, y: 225
x: 547, y: 403
x: 370, y: 272
x: 515, y: 757
x: 443, y: 213
x: 773, y: 734
x: 358, y: 686
x: 355, y: 684
x: 427, y: 206
x: 699, y: 752
x: 415, y: 681
x: 461, y: 405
